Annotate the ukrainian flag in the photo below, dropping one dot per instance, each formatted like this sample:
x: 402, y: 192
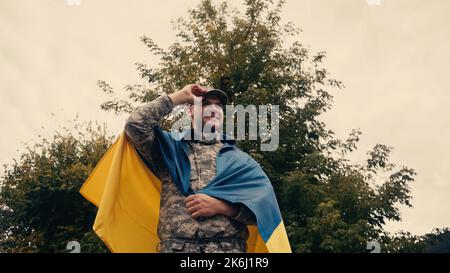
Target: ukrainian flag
x: 127, y: 195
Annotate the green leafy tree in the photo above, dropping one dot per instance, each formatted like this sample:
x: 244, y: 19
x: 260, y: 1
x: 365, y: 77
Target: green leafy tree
x: 41, y: 209
x: 329, y: 203
x: 404, y: 242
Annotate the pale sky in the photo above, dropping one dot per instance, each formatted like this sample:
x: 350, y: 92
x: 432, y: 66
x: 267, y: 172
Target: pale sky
x: 391, y: 57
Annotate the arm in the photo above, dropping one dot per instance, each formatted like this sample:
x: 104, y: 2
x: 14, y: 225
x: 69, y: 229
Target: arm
x: 202, y: 205
x: 245, y: 215
x: 139, y: 127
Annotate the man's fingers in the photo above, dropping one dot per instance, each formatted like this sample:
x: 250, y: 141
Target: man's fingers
x: 193, y: 209
x: 190, y: 197
x: 191, y: 203
x: 195, y: 215
x: 197, y: 205
x: 199, y: 213
x: 197, y: 90
x: 192, y: 200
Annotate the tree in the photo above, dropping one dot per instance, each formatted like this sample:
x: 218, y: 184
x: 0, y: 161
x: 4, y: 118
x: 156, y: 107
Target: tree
x: 41, y: 209
x: 437, y: 241
x: 329, y: 203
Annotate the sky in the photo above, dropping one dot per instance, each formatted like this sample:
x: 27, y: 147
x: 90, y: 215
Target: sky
x: 391, y: 57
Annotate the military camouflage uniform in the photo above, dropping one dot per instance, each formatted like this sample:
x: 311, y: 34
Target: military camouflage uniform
x: 178, y: 231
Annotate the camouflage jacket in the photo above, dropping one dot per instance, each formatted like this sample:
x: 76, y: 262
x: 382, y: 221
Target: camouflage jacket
x: 174, y: 219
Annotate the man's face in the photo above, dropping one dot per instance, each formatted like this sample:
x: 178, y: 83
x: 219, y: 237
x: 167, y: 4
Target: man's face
x: 212, y: 112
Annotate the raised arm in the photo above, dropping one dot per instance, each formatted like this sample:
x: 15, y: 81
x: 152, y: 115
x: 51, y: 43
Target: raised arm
x: 140, y: 126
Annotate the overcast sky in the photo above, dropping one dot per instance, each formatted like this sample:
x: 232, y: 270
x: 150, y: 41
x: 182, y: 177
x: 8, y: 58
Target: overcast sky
x: 391, y: 57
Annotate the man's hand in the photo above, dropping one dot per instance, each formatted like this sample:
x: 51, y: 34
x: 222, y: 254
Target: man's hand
x: 202, y: 205
x: 187, y: 94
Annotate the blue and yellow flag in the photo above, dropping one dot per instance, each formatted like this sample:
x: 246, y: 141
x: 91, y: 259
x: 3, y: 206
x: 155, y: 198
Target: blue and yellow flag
x: 127, y: 195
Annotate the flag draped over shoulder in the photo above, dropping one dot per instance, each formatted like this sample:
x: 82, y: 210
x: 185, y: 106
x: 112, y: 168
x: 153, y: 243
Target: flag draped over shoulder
x: 127, y: 195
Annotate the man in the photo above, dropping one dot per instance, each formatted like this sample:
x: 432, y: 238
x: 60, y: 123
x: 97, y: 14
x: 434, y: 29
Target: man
x: 199, y: 222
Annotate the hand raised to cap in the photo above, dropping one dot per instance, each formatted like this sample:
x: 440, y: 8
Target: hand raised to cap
x: 187, y: 94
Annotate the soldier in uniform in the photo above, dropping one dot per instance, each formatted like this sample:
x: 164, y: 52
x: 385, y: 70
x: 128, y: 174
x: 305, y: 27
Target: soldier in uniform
x: 197, y: 223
